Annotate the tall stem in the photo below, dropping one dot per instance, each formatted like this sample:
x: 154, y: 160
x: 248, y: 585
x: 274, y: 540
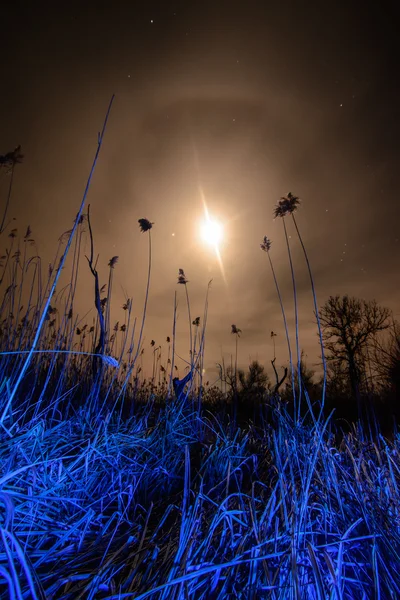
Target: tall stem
x: 173, y: 350
x: 62, y: 261
x: 316, y: 314
x: 143, y: 320
x: 295, y: 317
x: 190, y: 327
x: 286, y: 328
x: 8, y: 199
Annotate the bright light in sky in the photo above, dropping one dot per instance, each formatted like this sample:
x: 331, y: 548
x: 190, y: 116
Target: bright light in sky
x: 211, y: 232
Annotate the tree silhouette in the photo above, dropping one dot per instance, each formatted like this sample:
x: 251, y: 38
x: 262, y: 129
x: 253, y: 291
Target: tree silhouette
x: 349, y: 326
x: 255, y: 381
x: 385, y: 358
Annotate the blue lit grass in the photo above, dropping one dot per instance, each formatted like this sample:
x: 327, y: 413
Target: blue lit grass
x: 119, y: 493
x: 120, y: 510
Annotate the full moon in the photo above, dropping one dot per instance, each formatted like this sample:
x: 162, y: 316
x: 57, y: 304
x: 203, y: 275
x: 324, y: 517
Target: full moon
x: 211, y: 232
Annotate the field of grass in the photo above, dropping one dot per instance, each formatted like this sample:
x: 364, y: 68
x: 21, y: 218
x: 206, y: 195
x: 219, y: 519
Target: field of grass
x: 165, y: 504
x: 116, y: 487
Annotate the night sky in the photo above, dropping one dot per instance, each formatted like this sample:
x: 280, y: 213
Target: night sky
x: 240, y: 101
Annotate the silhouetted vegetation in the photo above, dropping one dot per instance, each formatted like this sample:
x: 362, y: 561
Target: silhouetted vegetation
x: 122, y: 481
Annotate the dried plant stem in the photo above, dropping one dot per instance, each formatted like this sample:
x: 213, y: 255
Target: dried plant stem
x: 296, y: 317
x: 285, y: 325
x: 2, y: 226
x: 190, y: 327
x: 316, y: 314
x: 62, y: 260
x: 143, y: 320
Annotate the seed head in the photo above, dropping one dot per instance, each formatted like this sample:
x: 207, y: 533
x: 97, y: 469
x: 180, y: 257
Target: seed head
x: 11, y: 158
x: 182, y: 277
x: 145, y: 225
x: 291, y: 202
x: 236, y: 330
x: 196, y: 322
x: 127, y: 304
x: 286, y: 205
x: 266, y: 244
x: 113, y: 262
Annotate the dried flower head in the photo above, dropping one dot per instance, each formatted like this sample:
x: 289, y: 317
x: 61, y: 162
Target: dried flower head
x: 127, y: 304
x: 266, y: 244
x: 11, y: 158
x: 196, y: 322
x: 145, y: 225
x: 113, y: 262
x: 286, y: 205
x: 168, y: 339
x: 152, y: 343
x: 291, y: 202
x: 182, y: 277
x: 236, y: 330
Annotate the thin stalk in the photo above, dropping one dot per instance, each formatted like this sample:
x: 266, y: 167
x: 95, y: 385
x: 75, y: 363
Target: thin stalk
x: 286, y: 327
x: 62, y: 261
x: 143, y: 321
x: 296, y: 319
x: 8, y: 200
x: 316, y: 314
x: 190, y: 327
x: 173, y: 350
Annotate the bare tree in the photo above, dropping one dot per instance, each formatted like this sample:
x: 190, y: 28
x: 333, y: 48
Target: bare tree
x: 385, y: 359
x: 349, y: 327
